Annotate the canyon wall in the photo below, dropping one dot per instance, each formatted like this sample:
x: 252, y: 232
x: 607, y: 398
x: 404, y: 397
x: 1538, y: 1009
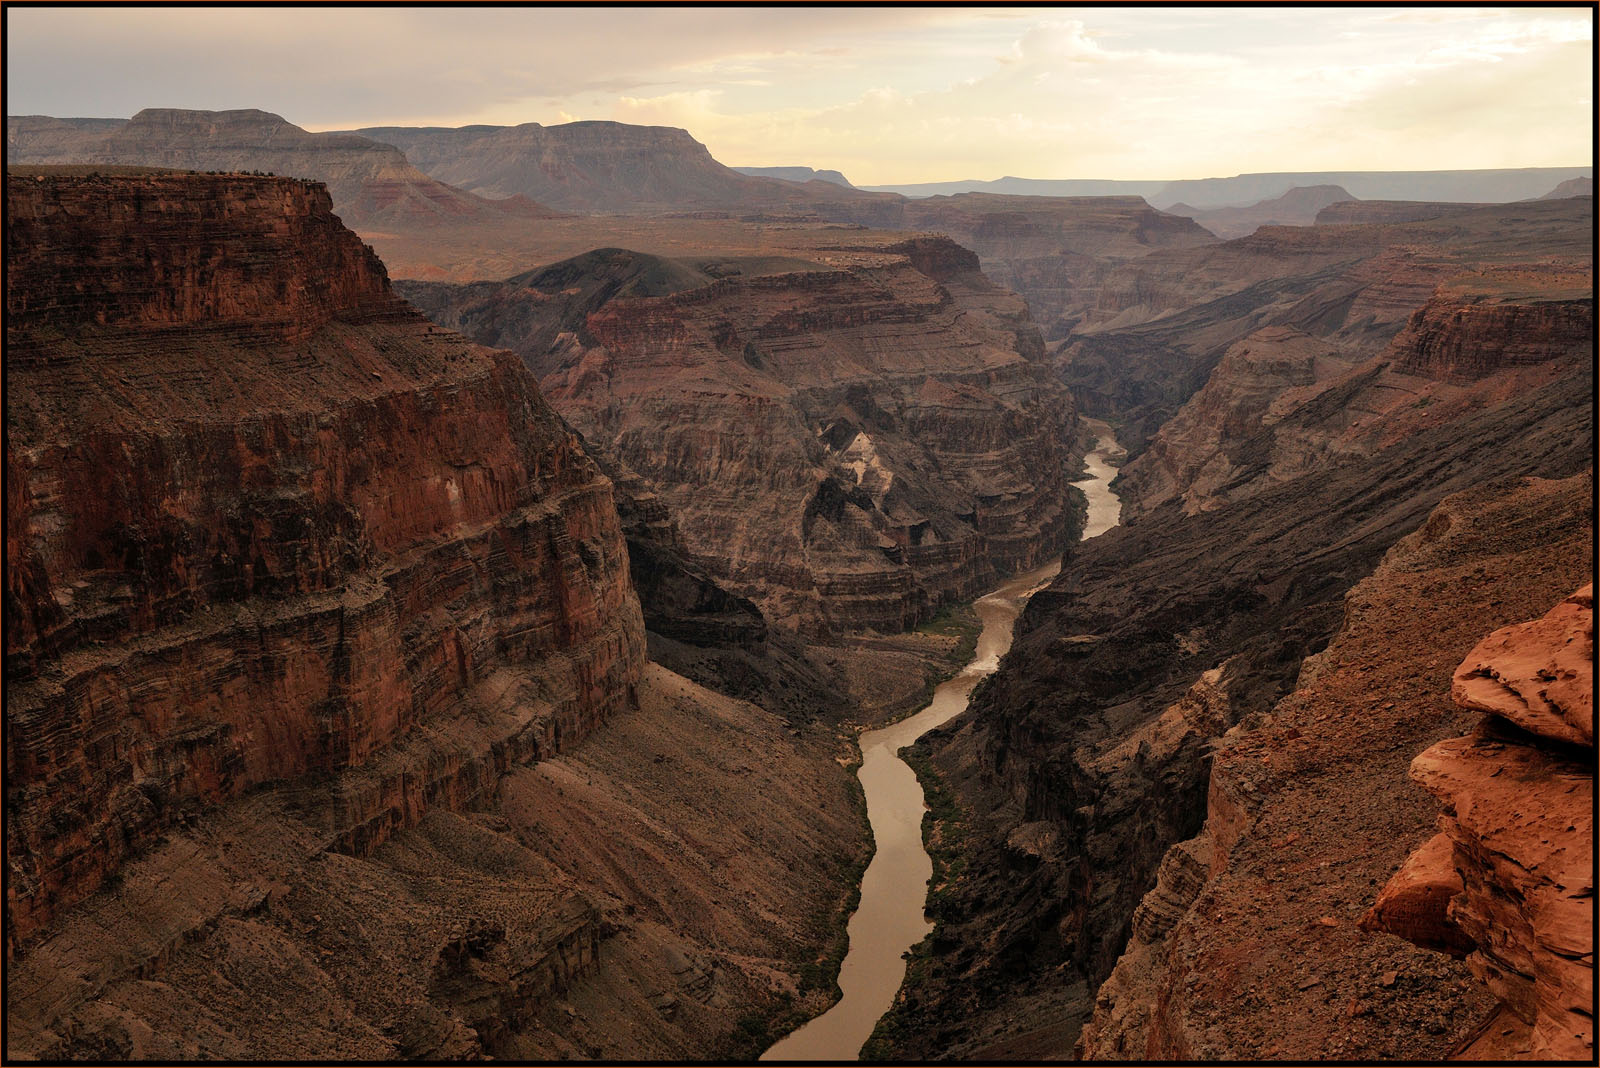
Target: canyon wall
x: 270, y: 523
x: 373, y: 184
x: 1089, y: 755
x: 1513, y: 860
x: 1282, y: 403
x: 615, y: 167
x: 329, y: 731
x: 851, y: 437
x: 1161, y: 323
x: 1255, y: 941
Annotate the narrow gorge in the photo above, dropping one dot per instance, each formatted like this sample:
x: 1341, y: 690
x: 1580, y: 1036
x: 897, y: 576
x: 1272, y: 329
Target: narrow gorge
x: 890, y: 917
x: 532, y: 592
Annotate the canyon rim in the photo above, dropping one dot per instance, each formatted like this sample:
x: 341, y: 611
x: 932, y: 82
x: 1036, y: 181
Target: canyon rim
x: 550, y: 534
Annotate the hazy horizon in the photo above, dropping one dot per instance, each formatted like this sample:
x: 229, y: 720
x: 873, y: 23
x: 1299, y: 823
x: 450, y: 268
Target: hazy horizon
x: 885, y: 95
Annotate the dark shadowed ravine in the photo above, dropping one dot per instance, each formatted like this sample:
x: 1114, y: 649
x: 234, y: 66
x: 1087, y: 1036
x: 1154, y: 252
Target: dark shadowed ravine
x: 891, y: 918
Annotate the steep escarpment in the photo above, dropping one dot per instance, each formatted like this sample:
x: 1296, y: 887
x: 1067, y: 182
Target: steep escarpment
x: 311, y: 608
x: 1162, y: 322
x: 1088, y: 755
x: 613, y: 167
x: 849, y: 436
x: 1054, y: 251
x: 1255, y: 940
x: 372, y: 183
x: 1573, y: 187
x: 1282, y: 403
x: 1298, y: 207
x: 271, y: 523
x: 1194, y: 453
x: 1516, y: 841
x: 1465, y: 337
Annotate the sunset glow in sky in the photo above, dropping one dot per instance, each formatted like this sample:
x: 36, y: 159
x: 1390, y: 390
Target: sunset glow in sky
x: 884, y: 94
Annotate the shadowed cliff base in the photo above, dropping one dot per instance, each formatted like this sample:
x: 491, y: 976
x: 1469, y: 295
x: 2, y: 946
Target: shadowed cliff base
x: 324, y: 664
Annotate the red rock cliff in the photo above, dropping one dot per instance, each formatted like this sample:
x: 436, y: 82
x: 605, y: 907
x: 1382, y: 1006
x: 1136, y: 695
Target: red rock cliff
x: 1516, y: 840
x: 849, y: 444
x: 1462, y: 338
x: 266, y: 523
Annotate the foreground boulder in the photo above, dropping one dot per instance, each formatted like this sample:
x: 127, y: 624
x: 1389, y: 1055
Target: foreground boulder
x: 1517, y: 833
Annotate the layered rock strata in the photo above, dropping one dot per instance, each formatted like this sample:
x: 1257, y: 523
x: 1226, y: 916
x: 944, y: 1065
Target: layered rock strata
x: 1516, y: 848
x: 1162, y: 322
x: 1282, y: 403
x: 268, y: 525
x: 1298, y: 207
x: 850, y: 444
x: 372, y: 183
x: 1262, y: 950
x: 1089, y: 753
x: 596, y: 166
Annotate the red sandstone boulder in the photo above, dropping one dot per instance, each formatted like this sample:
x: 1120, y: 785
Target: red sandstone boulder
x: 1539, y: 674
x: 1518, y: 823
x: 1415, y: 904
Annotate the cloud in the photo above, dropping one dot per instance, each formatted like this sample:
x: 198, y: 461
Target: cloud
x: 886, y: 94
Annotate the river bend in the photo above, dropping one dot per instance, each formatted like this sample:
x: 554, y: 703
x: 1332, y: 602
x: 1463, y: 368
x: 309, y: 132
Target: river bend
x: 894, y: 890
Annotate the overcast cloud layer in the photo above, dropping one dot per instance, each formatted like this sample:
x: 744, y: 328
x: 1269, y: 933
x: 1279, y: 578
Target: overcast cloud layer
x: 884, y: 94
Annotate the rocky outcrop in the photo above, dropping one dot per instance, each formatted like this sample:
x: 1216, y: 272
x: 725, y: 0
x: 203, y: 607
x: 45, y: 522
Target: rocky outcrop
x: 373, y: 184
x: 1256, y: 584
x: 1517, y: 844
x: 1463, y: 337
x: 851, y: 438
x: 1298, y: 207
x: 268, y: 525
x: 1266, y: 953
x: 1572, y: 187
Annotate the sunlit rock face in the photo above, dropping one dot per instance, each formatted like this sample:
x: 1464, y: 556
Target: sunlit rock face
x: 1517, y: 830
x: 849, y: 440
x: 266, y: 523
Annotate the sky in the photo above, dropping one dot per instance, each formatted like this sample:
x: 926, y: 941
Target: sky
x: 884, y: 94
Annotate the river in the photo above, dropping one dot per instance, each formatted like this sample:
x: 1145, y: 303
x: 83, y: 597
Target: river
x: 894, y: 890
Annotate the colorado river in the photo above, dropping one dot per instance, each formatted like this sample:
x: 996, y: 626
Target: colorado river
x: 894, y: 891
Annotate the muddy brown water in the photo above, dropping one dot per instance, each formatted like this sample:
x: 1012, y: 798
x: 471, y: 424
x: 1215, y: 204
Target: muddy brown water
x: 894, y: 891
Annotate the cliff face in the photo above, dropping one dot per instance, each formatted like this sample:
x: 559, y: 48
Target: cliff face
x: 269, y: 525
x: 1088, y: 754
x: 1255, y: 940
x: 612, y: 167
x: 849, y: 443
x: 1282, y: 403
x: 1516, y: 845
x: 1161, y: 323
x: 1054, y: 251
x: 371, y: 183
x: 1459, y: 338
x: 1298, y: 207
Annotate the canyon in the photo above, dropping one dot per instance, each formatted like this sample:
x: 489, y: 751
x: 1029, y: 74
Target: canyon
x: 1143, y: 788
x: 852, y: 440
x: 314, y: 613
x: 471, y: 664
